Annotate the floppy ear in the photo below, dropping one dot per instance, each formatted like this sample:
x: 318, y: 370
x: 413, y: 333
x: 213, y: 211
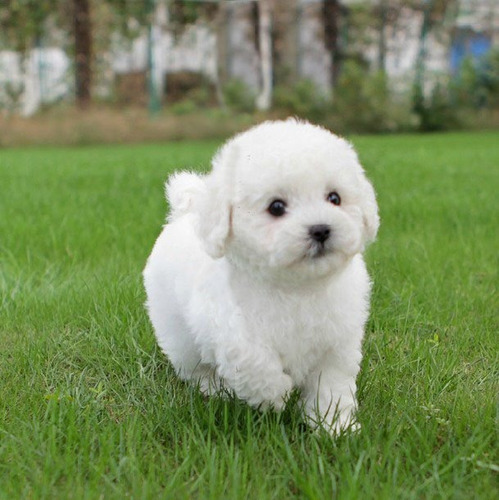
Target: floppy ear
x: 367, y: 200
x: 215, y: 209
x: 369, y: 207
x: 214, y: 219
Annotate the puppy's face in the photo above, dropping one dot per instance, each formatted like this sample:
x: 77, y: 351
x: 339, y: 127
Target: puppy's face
x: 296, y: 200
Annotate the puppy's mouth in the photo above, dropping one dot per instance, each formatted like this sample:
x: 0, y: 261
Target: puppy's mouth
x: 317, y: 251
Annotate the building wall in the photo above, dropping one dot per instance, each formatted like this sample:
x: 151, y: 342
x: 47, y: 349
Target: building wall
x: 40, y: 77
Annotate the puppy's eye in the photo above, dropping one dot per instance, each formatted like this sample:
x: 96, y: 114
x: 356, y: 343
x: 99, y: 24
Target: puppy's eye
x: 277, y: 208
x: 334, y: 198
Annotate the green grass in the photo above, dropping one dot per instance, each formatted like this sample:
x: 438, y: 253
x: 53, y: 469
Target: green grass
x: 89, y: 407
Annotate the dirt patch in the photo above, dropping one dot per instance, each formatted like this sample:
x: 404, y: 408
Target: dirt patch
x: 101, y: 125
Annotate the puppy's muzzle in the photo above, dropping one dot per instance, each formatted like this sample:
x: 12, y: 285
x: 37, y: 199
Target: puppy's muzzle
x: 320, y: 233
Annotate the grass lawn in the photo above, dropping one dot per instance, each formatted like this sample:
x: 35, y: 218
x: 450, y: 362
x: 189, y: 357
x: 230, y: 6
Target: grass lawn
x: 89, y: 407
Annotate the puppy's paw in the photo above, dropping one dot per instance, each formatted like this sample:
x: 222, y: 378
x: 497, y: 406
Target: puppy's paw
x: 271, y: 393
x: 336, y: 422
x: 343, y: 424
x: 276, y: 393
x: 209, y: 386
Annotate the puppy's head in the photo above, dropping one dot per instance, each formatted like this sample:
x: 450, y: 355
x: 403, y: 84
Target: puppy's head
x: 287, y: 197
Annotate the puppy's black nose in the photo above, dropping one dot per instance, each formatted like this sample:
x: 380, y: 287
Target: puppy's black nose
x: 319, y: 233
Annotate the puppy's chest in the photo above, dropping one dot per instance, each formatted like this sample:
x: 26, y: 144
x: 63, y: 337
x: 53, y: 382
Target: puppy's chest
x: 299, y: 330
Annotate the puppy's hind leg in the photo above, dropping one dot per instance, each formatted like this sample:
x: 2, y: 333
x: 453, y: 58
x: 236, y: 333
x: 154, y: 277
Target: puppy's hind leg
x: 175, y: 340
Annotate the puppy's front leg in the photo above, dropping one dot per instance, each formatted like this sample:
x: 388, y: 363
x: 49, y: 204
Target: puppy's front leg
x: 254, y: 372
x: 329, y: 393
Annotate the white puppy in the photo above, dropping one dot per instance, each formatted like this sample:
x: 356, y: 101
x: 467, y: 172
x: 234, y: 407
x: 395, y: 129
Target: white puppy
x: 257, y: 282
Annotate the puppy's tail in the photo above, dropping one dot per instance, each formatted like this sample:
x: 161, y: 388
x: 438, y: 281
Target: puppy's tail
x: 183, y: 191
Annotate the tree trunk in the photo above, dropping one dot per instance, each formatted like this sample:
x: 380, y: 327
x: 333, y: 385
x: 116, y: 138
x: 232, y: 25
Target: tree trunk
x: 382, y: 36
x: 264, y: 99
x: 331, y: 15
x: 83, y: 52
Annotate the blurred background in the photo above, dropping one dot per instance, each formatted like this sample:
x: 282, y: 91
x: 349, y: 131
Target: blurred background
x: 84, y: 71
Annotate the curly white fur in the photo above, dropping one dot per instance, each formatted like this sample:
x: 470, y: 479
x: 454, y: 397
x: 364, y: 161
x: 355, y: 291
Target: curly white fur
x: 244, y: 299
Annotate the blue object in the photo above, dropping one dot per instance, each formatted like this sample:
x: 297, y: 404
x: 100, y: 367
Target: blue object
x: 468, y: 44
